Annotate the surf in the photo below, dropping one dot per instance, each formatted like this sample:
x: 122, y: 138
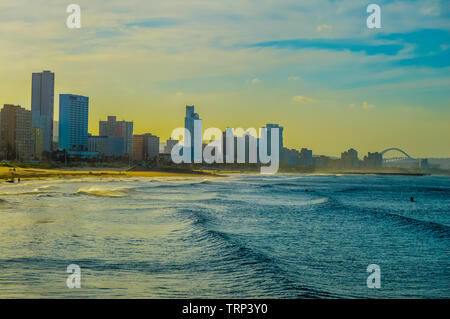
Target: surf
x: 104, y: 192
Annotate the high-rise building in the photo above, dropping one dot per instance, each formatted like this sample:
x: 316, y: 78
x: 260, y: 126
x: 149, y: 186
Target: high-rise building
x: 373, y: 160
x: 145, y: 146
x: 349, y: 159
x: 55, y: 131
x: 152, y: 146
x: 55, y: 134
x: 290, y: 157
x: 108, y: 146
x: 138, y: 147
x: 73, y: 122
x: 37, y: 142
x: 42, y: 106
x: 119, y: 129
x: 306, y: 158
x: 170, y: 143
x: 189, y: 124
x: 16, y: 140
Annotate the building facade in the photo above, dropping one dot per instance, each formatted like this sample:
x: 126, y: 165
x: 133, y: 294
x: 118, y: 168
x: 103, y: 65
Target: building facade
x: 55, y: 134
x: 145, y: 146
x: 189, y: 124
x: 170, y: 143
x: 305, y: 158
x: 119, y: 129
x: 290, y: 157
x: 73, y: 122
x: 16, y: 138
x: 349, y: 159
x: 42, y: 106
x: 373, y: 160
x: 106, y: 146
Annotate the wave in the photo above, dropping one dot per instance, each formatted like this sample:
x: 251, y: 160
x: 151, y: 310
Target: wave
x: 383, y: 188
x: 105, y: 192
x: 441, y: 230
x: 231, y: 252
x: 33, y: 192
x: 313, y: 201
x: 437, y: 189
x: 437, y: 228
x: 44, y: 188
x: 278, y: 184
x: 36, y: 191
x: 175, y: 184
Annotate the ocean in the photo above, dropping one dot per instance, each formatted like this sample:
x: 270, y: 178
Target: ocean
x: 238, y: 236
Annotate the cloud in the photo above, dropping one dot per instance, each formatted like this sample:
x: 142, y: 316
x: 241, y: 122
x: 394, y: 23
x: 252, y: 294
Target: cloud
x: 302, y: 99
x: 179, y: 93
x: 154, y: 23
x: 323, y: 27
x: 422, y: 47
x: 367, y: 105
x: 294, y: 78
x: 430, y: 8
x: 353, y: 45
x: 256, y: 81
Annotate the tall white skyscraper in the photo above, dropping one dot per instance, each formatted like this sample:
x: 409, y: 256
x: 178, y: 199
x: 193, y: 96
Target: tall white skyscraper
x: 42, y: 105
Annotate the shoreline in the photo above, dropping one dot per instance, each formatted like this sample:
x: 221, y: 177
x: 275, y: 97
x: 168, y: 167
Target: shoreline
x: 38, y: 173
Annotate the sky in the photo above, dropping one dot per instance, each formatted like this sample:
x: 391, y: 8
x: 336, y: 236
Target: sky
x: 311, y: 66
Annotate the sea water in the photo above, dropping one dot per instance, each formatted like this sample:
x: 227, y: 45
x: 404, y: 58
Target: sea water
x: 238, y: 236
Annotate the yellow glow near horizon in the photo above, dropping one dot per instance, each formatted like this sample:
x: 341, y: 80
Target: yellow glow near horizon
x: 146, y: 70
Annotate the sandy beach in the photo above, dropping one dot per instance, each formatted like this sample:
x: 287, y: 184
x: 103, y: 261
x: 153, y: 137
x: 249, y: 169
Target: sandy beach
x: 36, y: 173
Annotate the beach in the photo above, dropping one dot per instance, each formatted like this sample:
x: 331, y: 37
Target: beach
x: 37, y: 173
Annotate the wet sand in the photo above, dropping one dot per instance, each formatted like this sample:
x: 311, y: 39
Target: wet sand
x: 36, y: 173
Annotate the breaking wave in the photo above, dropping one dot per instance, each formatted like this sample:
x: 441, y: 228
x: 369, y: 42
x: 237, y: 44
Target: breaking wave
x: 104, y: 192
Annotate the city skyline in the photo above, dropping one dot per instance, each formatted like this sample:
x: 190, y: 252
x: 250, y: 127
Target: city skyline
x: 330, y: 81
x: 124, y: 129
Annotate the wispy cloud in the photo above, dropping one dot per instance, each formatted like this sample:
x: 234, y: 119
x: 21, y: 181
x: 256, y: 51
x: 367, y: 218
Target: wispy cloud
x: 333, y: 45
x: 430, y: 8
x: 366, y: 105
x: 154, y: 23
x: 324, y: 27
x: 302, y: 99
x: 294, y: 78
x: 425, y: 47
